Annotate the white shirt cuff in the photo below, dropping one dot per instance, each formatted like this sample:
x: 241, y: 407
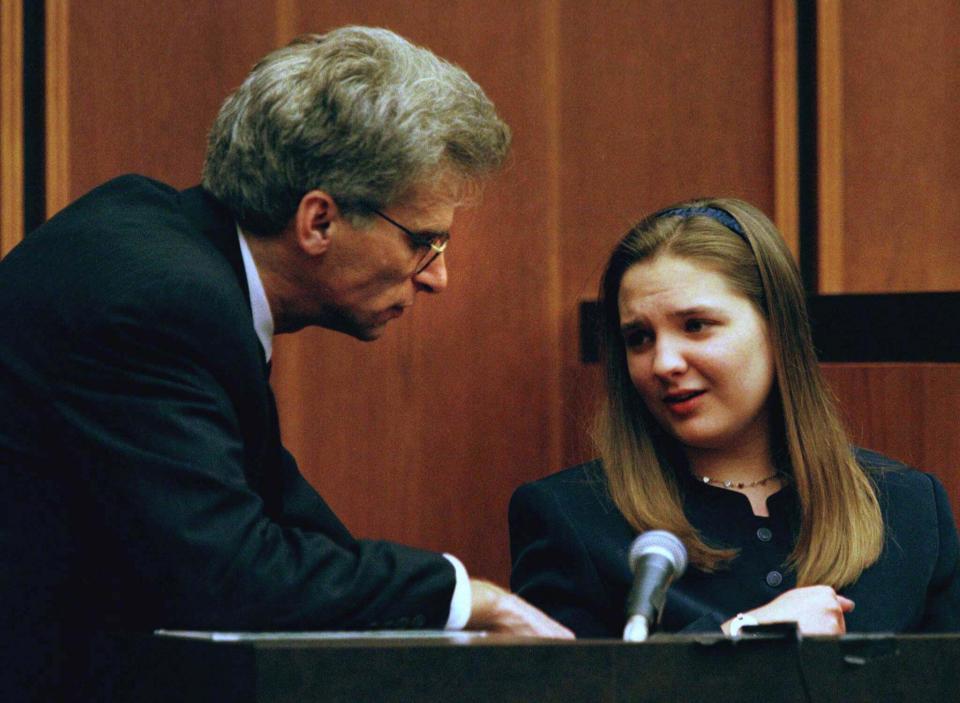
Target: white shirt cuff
x: 460, y: 604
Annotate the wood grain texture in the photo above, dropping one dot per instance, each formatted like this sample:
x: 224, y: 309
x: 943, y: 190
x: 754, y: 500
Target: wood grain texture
x: 907, y: 411
x: 11, y: 125
x: 141, y: 85
x: 422, y: 436
x: 660, y: 102
x: 786, y: 213
x: 901, y: 139
x: 830, y: 145
x: 58, y: 117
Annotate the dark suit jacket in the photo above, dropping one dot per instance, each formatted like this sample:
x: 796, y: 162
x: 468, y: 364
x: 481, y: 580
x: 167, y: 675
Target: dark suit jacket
x: 570, y: 543
x: 145, y: 485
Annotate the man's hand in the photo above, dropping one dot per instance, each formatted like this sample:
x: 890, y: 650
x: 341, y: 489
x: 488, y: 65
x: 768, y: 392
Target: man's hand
x: 497, y: 610
x: 817, y: 610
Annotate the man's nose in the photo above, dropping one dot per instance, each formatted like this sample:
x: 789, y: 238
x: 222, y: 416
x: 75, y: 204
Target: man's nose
x: 433, y: 279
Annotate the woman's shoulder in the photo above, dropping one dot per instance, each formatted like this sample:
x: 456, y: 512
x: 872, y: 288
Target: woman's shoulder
x: 579, y: 488
x: 898, y: 482
x: 573, y: 505
x: 587, y: 473
x: 586, y: 477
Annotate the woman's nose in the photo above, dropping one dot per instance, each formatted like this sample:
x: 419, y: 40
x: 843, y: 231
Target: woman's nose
x: 668, y: 358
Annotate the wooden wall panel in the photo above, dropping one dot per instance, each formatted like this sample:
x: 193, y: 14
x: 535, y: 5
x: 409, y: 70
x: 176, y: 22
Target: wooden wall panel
x: 907, y: 411
x: 11, y: 125
x: 422, y: 436
x: 136, y: 85
x: 891, y: 158
x: 57, y: 108
x: 660, y: 102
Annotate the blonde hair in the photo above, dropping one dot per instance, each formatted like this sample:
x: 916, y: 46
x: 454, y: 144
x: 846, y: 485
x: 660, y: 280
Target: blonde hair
x: 841, y: 527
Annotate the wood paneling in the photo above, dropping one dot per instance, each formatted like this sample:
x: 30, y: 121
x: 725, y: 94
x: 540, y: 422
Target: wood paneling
x: 786, y: 212
x: 660, y: 102
x: 830, y: 201
x: 133, y: 87
x: 60, y: 190
x: 11, y: 125
x: 422, y: 436
x: 893, y: 155
x: 906, y: 411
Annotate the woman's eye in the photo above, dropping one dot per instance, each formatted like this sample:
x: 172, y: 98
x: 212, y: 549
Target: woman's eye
x: 695, y: 325
x: 636, y: 338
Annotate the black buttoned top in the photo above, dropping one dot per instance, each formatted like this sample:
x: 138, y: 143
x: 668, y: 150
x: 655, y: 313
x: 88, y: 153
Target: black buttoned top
x: 569, y: 544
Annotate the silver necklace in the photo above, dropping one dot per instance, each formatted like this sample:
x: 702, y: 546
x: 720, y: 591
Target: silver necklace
x: 741, y: 484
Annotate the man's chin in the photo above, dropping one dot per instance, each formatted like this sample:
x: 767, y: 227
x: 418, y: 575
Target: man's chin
x: 369, y: 334
x: 365, y: 331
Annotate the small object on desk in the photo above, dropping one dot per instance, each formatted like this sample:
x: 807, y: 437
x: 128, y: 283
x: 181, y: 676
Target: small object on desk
x: 456, y: 636
x: 740, y: 621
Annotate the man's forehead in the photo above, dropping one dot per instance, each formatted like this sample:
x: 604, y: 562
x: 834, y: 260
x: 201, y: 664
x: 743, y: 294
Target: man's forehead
x: 427, y: 212
x: 444, y: 189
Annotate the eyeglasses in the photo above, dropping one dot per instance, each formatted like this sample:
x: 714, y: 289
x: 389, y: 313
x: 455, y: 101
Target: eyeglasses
x: 433, y: 243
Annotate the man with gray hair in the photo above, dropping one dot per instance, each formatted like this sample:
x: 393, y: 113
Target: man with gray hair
x: 145, y: 483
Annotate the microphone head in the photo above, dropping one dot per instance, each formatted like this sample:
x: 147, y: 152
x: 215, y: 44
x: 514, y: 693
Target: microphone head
x: 659, y: 542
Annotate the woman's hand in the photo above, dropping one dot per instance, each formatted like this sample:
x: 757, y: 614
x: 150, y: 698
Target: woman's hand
x: 817, y: 610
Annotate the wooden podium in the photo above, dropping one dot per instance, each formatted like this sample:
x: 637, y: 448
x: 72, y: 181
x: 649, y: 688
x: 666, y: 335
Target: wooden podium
x: 408, y: 668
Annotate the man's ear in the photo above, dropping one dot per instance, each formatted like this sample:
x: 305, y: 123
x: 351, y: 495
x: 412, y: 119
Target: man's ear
x: 315, y: 215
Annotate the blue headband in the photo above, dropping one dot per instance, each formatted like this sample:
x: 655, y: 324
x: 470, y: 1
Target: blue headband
x: 714, y: 213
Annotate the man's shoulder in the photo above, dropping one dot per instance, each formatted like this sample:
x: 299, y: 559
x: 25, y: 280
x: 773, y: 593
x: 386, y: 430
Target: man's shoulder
x: 128, y: 250
x: 135, y: 183
x: 135, y: 228
x: 124, y: 193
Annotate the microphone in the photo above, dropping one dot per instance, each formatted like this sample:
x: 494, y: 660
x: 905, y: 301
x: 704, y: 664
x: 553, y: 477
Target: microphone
x: 657, y: 557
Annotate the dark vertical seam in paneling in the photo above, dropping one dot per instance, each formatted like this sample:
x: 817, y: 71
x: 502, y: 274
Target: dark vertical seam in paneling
x: 807, y: 179
x: 34, y: 111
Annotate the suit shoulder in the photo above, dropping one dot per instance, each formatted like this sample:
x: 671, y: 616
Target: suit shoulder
x: 114, y: 197
x: 900, y: 487
x: 586, y: 473
x: 581, y: 485
x: 875, y: 461
x: 887, y: 472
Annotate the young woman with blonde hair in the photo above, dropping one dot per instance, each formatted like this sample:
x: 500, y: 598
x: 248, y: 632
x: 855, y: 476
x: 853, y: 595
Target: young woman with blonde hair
x: 719, y: 427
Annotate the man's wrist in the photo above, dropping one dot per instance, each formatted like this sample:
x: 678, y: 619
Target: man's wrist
x: 460, y: 603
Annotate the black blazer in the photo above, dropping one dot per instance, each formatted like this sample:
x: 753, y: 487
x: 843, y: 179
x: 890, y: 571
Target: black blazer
x: 570, y: 543
x: 145, y: 485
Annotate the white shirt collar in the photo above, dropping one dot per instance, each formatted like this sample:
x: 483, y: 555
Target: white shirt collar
x: 262, y: 317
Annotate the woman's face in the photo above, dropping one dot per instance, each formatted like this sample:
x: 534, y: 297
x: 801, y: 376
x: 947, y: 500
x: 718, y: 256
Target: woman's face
x: 698, y: 353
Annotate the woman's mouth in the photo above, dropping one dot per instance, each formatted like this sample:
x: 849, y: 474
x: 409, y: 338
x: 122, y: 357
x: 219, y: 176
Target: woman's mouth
x: 683, y: 403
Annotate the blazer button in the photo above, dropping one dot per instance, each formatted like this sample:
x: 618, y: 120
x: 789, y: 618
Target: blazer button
x: 764, y: 534
x: 774, y: 579
x: 418, y: 622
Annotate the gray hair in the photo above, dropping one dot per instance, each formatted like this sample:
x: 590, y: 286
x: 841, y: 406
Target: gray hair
x: 360, y: 113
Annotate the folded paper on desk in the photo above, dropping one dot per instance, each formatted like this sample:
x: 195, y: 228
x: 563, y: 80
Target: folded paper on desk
x: 440, y: 635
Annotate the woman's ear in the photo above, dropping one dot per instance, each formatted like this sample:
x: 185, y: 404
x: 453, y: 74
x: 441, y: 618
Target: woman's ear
x: 313, y: 220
